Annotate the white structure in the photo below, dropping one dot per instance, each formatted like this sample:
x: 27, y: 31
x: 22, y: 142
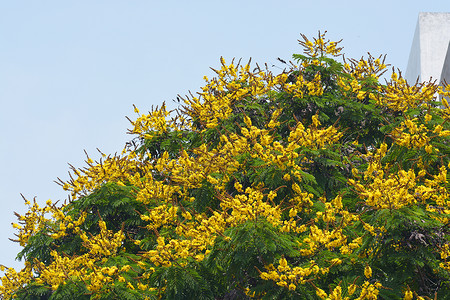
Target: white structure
x: 430, y: 53
x: 445, y: 75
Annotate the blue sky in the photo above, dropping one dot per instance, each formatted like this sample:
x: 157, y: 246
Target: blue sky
x: 70, y: 71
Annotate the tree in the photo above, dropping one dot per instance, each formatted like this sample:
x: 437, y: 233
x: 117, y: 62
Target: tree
x: 317, y: 183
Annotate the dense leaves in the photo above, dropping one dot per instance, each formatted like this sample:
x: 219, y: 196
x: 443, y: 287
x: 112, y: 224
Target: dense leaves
x: 316, y: 183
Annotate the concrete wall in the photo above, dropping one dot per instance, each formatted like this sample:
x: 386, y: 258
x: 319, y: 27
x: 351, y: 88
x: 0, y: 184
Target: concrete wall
x: 429, y: 47
x: 445, y: 75
x: 413, y: 68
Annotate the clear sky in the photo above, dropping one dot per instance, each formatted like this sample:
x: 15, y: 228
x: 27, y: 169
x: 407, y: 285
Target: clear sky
x: 70, y: 71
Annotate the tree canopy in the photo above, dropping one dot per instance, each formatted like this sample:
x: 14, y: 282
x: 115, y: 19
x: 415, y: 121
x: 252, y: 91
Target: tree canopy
x: 320, y: 182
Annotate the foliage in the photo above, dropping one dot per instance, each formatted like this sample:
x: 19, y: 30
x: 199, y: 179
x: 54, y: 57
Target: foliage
x: 316, y: 183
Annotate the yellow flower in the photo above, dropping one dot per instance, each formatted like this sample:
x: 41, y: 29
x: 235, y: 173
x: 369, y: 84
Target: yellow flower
x: 292, y: 212
x: 315, y: 120
x: 351, y: 289
x: 321, y: 293
x: 130, y: 286
x: 368, y: 271
x: 408, y: 295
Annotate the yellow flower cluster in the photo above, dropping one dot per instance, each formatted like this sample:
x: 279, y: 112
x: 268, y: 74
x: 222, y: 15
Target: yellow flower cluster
x: 32, y: 222
x: 289, y: 277
x: 112, y: 169
x: 250, y: 206
x: 398, y: 95
x: 84, y: 267
x: 155, y: 122
x: 410, y: 134
x: 159, y: 216
x: 369, y: 291
x: 385, y: 190
x: 196, y: 237
x: 319, y: 46
x: 232, y: 84
x: 370, y: 67
x: 13, y: 280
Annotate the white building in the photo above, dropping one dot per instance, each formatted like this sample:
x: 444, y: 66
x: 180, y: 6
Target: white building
x: 430, y: 52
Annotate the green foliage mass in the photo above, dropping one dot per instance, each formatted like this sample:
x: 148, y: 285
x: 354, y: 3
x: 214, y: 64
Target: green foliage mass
x: 404, y: 248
